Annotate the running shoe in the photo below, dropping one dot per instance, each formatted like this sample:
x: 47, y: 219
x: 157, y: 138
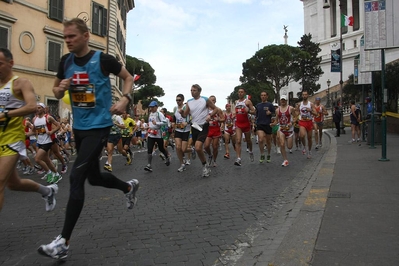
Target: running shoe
x: 50, y: 199
x: 182, y: 168
x: 278, y: 150
x: 251, y: 156
x: 317, y: 146
x: 57, y: 249
x: 227, y: 156
x: 128, y: 159
x: 262, y: 158
x: 167, y: 162
x: 214, y: 164
x: 148, y: 168
x: 56, y: 178
x: 28, y: 171
x: 193, y: 153
x: 309, y: 155
x: 290, y: 151
x: 304, y: 151
x: 206, y: 171
x: 188, y: 162
x: 131, y: 198
x: 285, y: 163
x: 49, y: 177
x: 268, y: 158
x: 162, y: 156
x: 64, y: 169
x: 237, y: 162
x: 108, y: 167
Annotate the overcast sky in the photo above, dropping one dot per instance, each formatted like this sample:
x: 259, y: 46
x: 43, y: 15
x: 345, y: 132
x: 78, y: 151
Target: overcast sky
x: 206, y: 42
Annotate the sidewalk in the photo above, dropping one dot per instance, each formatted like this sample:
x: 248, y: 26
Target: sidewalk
x: 360, y: 225
x: 349, y: 214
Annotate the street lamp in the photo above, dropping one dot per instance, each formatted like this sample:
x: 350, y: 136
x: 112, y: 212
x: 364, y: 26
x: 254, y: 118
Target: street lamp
x: 328, y: 92
x: 327, y: 5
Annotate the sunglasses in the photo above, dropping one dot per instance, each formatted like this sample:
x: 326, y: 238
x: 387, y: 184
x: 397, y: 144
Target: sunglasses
x: 178, y: 100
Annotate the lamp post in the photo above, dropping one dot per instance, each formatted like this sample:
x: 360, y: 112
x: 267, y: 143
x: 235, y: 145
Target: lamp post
x: 325, y: 6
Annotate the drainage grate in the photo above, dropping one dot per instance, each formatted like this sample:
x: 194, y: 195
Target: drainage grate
x: 339, y: 194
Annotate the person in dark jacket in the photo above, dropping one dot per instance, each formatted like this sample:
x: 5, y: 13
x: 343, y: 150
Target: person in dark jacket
x: 337, y: 120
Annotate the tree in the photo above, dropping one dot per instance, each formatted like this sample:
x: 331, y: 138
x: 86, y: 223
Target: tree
x: 254, y: 91
x: 273, y: 65
x: 308, y: 68
x: 145, y: 90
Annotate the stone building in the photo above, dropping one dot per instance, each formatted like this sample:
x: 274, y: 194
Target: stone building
x: 32, y: 30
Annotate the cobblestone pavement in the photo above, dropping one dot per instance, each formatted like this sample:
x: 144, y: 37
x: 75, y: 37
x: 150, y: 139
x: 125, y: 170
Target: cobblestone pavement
x: 180, y: 218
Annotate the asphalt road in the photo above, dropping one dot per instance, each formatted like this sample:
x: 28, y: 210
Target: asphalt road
x: 180, y: 218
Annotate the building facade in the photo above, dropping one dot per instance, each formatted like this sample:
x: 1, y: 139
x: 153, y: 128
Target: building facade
x: 33, y: 31
x: 325, y: 26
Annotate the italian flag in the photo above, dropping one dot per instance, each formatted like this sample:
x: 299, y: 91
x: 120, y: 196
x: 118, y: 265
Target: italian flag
x: 346, y: 20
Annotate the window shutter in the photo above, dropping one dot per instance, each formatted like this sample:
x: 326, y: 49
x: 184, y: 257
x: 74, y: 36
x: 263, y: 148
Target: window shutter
x: 3, y: 37
x: 104, y: 25
x: 54, y: 54
x: 96, y: 19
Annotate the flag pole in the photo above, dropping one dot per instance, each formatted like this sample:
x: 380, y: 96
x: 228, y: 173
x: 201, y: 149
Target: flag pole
x: 342, y: 126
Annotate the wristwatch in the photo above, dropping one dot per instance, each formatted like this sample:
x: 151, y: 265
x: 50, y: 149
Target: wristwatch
x: 5, y: 112
x: 128, y: 96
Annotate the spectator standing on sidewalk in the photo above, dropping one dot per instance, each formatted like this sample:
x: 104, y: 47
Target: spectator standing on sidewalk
x: 17, y: 100
x: 337, y: 121
x: 84, y: 73
x: 355, y: 117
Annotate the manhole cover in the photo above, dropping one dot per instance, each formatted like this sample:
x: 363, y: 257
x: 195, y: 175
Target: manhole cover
x: 339, y: 194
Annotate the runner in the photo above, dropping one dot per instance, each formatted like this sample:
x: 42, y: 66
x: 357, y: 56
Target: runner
x: 17, y: 99
x: 243, y: 107
x: 214, y: 134
x: 46, y: 126
x: 318, y: 121
x: 85, y: 74
x: 182, y: 132
x: 306, y: 109
x: 155, y: 121
x: 285, y: 117
x: 264, y: 112
x: 200, y: 117
x: 229, y: 130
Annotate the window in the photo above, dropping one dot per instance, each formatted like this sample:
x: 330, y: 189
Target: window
x: 3, y: 37
x: 99, y: 22
x: 54, y: 56
x: 354, y: 43
x: 120, y: 39
x: 333, y: 15
x: 56, y: 10
x: 356, y: 16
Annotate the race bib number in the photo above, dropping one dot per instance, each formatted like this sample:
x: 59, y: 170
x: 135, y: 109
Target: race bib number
x: 83, y: 96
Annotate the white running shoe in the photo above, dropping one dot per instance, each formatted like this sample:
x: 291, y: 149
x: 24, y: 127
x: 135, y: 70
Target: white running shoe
x: 206, y: 171
x: 131, y: 198
x: 188, y: 162
x: 285, y: 163
x: 50, y: 199
x: 57, y: 249
x: 182, y: 168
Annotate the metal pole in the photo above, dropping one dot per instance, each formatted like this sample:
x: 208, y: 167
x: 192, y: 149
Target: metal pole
x: 372, y: 113
x: 383, y: 115
x: 341, y: 70
x: 363, y: 112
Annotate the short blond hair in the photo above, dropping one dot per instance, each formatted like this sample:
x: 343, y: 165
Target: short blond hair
x: 79, y: 23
